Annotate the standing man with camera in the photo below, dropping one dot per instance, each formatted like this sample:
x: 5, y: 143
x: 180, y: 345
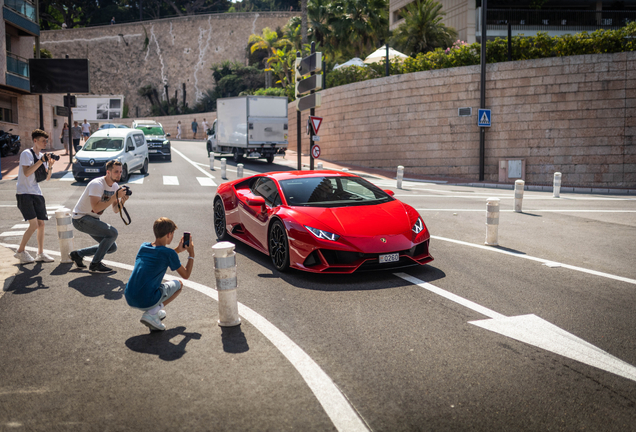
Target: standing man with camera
x: 34, y: 167
x: 101, y: 193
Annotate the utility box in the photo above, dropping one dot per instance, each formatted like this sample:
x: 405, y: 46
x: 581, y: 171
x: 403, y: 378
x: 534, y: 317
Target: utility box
x: 511, y: 170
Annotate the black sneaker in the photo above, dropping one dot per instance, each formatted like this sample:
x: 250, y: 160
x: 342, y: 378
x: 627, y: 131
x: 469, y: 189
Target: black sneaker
x: 99, y: 268
x: 77, y: 259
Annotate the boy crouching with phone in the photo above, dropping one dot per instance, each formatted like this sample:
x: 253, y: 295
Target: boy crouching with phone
x: 145, y: 290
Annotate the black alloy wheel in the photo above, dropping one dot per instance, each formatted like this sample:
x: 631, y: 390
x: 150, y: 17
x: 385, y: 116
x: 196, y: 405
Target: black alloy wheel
x: 219, y: 220
x: 279, y: 246
x: 144, y: 169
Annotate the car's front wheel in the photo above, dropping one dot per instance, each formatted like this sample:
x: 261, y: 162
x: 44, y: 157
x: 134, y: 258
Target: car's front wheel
x: 144, y: 169
x: 124, y: 174
x: 279, y: 246
x: 219, y: 220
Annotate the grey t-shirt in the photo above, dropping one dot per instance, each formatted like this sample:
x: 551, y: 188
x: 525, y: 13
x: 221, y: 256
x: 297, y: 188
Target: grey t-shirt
x: 76, y: 132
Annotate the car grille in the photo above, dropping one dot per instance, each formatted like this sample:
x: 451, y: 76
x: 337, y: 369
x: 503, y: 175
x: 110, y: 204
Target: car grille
x: 155, y: 144
x: 97, y: 164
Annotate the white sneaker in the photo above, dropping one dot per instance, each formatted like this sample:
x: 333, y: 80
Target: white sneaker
x: 152, y: 322
x: 43, y: 257
x: 24, y: 257
x: 161, y: 314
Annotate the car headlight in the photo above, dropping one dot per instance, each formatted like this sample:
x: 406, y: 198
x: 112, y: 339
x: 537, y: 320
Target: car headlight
x: 419, y: 226
x: 166, y: 142
x: 75, y: 160
x: 321, y: 234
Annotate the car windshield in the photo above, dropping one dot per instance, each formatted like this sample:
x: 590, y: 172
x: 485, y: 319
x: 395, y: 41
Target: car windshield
x: 105, y: 144
x: 332, y: 192
x: 151, y: 130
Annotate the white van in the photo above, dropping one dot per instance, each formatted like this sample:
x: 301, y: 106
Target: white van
x: 126, y: 145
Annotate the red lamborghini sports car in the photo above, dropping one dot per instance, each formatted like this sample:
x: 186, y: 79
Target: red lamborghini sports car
x: 321, y: 221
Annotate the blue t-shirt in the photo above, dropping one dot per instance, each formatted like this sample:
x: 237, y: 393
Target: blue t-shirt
x: 142, y: 289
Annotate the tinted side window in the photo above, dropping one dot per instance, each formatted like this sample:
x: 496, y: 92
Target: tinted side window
x: 129, y: 143
x: 139, y: 140
x: 267, y: 189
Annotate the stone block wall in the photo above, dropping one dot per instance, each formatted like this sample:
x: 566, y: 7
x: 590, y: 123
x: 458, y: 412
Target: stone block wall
x: 572, y: 114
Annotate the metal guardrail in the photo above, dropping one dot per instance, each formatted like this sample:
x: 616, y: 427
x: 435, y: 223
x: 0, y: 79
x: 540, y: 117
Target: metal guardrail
x: 22, y: 7
x: 556, y: 20
x: 17, y: 65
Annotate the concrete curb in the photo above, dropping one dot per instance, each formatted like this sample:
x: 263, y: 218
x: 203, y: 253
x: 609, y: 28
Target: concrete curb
x: 8, y: 268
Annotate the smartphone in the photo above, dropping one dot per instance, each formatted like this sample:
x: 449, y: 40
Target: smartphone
x: 186, y: 239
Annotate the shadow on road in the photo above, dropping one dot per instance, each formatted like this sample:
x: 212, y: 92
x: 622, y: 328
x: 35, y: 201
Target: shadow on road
x: 27, y: 281
x: 99, y: 285
x: 158, y: 343
x: 234, y: 340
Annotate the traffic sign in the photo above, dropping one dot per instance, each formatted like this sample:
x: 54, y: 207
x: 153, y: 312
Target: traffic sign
x: 311, y: 101
x: 315, y: 123
x: 314, y: 82
x: 315, y: 151
x: 312, y: 63
x: 483, y: 118
x: 315, y: 138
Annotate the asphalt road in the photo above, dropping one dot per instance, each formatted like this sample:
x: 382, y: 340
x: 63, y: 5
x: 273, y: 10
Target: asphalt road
x: 536, y: 334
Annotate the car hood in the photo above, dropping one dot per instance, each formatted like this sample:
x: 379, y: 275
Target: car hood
x: 367, y: 220
x: 97, y: 155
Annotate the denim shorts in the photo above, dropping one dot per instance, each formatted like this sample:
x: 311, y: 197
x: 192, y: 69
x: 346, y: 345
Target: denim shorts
x: 167, y: 290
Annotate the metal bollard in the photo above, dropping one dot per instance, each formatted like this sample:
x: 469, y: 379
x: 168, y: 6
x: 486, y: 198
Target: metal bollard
x: 556, y: 187
x: 319, y: 165
x: 212, y: 161
x: 492, y: 221
x: 239, y: 171
x: 519, y: 184
x: 223, y: 169
x: 225, y: 274
x: 64, y: 233
x: 345, y: 170
x: 400, y: 176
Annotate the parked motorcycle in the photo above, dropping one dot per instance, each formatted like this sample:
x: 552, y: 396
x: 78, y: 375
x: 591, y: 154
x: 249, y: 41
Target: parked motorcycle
x: 9, y: 143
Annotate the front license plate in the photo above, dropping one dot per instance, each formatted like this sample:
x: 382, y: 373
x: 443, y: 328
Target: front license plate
x: 153, y: 151
x: 92, y: 170
x: 387, y: 258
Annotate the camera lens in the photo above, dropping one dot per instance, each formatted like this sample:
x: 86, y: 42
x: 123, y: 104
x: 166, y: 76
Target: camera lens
x: 56, y: 157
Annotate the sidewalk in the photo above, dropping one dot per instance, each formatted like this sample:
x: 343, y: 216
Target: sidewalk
x: 10, y: 164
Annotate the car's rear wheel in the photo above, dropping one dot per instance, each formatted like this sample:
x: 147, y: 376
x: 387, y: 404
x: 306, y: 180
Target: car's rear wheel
x: 144, y: 169
x: 270, y: 159
x: 237, y: 155
x: 219, y: 220
x: 279, y: 246
x: 209, y: 147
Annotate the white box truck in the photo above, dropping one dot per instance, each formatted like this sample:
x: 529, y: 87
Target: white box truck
x: 249, y: 127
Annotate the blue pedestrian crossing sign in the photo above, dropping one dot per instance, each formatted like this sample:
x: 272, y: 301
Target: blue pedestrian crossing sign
x: 483, y: 118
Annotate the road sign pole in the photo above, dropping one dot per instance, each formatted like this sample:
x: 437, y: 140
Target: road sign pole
x: 311, y: 129
x: 299, y: 146
x: 70, y: 136
x: 482, y: 105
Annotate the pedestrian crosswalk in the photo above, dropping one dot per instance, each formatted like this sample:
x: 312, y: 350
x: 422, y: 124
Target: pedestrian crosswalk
x: 18, y: 230
x: 166, y: 180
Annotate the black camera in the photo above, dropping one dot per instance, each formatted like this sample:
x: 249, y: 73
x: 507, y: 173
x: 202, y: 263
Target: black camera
x: 127, y: 189
x: 48, y: 156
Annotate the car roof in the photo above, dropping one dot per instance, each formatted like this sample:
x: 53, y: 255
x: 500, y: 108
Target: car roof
x: 114, y: 132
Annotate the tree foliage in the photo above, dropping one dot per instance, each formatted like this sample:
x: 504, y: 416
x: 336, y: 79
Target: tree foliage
x: 422, y: 30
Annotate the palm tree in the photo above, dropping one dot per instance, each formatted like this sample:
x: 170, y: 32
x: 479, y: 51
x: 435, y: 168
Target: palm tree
x: 267, y: 41
x: 422, y: 29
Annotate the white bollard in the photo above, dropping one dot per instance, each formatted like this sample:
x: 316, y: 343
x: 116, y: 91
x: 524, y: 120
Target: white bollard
x: 519, y: 184
x: 225, y: 274
x: 212, y: 161
x: 492, y: 221
x: 319, y: 165
x: 345, y: 170
x: 556, y: 187
x: 223, y: 169
x: 64, y: 223
x: 400, y: 176
x: 239, y: 171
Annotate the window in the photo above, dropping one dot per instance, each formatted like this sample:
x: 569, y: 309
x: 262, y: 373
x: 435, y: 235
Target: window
x: 139, y: 140
x: 8, y: 106
x: 129, y: 143
x: 266, y: 188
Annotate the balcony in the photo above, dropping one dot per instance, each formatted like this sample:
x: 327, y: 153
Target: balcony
x: 17, y: 74
x: 554, y: 22
x: 21, y: 14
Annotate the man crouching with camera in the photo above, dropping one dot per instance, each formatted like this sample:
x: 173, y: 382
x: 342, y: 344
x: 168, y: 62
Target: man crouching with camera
x: 35, y: 167
x: 101, y: 193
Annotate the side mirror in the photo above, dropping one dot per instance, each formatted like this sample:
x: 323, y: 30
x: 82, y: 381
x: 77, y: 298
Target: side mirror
x: 390, y: 192
x: 130, y: 148
x: 257, y: 201
x: 167, y: 134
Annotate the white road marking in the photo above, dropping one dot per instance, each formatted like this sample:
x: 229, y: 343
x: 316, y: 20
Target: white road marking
x: 136, y: 179
x: 12, y: 233
x: 67, y: 177
x: 20, y: 226
x: 509, y: 196
x: 527, y: 210
x: 532, y: 330
x: 193, y: 163
x: 342, y: 414
x: 541, y: 260
x: 206, y: 181
x: 171, y: 180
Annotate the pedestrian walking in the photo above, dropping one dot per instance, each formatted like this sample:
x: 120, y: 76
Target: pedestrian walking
x: 101, y: 193
x: 112, y: 21
x: 76, y: 135
x: 86, y: 130
x: 179, y: 129
x: 205, y: 126
x: 64, y: 137
x: 195, y: 126
x: 35, y: 167
x: 145, y: 289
